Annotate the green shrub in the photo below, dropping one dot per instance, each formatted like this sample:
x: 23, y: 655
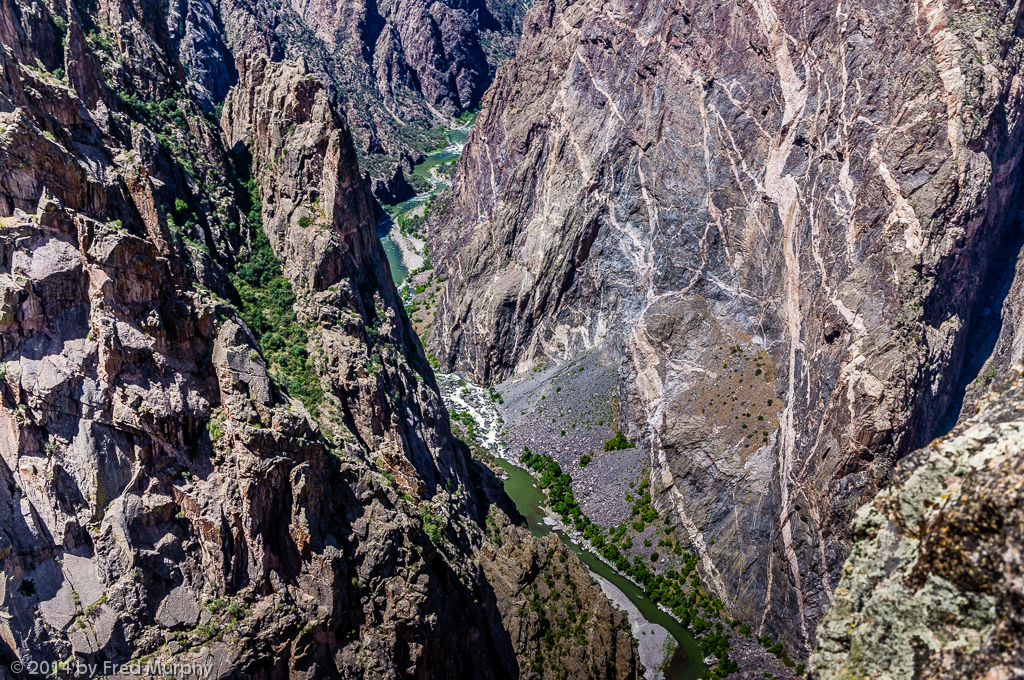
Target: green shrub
x: 431, y: 524
x: 433, y: 531
x: 618, y: 442
x: 207, y: 630
x: 61, y: 24
x: 99, y: 41
x: 216, y: 429
x: 266, y: 304
x: 235, y: 610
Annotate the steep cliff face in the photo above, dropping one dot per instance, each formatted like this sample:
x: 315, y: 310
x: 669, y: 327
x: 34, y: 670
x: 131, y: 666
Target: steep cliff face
x: 397, y: 68
x: 783, y: 220
x: 220, y: 442
x: 933, y: 587
x: 317, y: 217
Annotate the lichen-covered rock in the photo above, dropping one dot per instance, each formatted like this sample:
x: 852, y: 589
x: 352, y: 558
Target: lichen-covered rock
x: 934, y: 585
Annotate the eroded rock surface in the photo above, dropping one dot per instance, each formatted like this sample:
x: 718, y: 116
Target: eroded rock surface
x: 398, y: 69
x: 164, y: 494
x: 933, y: 587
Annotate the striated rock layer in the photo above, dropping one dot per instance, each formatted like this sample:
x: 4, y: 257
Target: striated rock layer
x: 934, y: 587
x: 784, y: 219
x: 176, y: 487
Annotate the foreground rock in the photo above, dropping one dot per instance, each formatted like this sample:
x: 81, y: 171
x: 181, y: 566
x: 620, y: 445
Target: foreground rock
x: 933, y: 586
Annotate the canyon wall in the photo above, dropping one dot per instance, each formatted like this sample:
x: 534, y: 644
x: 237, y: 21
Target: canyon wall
x: 789, y: 222
x: 397, y: 69
x: 220, y: 442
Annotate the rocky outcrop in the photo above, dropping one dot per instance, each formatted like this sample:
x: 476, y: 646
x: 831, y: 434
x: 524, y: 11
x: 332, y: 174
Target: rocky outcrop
x: 175, y: 486
x: 784, y: 217
x: 392, y: 189
x: 933, y: 587
x: 197, y: 32
x: 397, y: 69
x: 320, y: 225
x: 550, y: 602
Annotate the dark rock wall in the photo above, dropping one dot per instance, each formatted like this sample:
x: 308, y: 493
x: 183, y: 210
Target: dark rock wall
x: 778, y: 210
x: 161, y: 496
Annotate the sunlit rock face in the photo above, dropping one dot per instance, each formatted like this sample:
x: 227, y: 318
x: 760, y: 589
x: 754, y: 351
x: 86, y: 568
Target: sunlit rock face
x: 173, y: 486
x: 933, y: 584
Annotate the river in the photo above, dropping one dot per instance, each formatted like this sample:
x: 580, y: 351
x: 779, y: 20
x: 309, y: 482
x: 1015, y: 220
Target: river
x: 398, y: 270
x: 686, y: 662
x: 456, y: 140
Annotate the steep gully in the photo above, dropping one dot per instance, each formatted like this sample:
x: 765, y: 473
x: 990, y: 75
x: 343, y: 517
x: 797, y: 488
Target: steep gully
x: 679, y: 661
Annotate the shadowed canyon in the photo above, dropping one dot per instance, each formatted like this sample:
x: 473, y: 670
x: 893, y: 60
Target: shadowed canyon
x: 487, y: 339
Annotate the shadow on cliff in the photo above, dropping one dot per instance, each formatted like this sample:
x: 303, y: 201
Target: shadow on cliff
x: 488, y: 489
x: 987, y: 323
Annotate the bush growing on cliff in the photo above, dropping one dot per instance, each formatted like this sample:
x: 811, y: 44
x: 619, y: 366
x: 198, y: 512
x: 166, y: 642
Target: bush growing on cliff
x: 60, y: 25
x: 266, y: 304
x: 431, y: 524
x: 216, y: 428
x: 618, y: 443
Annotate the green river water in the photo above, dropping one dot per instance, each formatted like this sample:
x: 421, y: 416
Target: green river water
x: 687, y: 660
x: 398, y: 270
